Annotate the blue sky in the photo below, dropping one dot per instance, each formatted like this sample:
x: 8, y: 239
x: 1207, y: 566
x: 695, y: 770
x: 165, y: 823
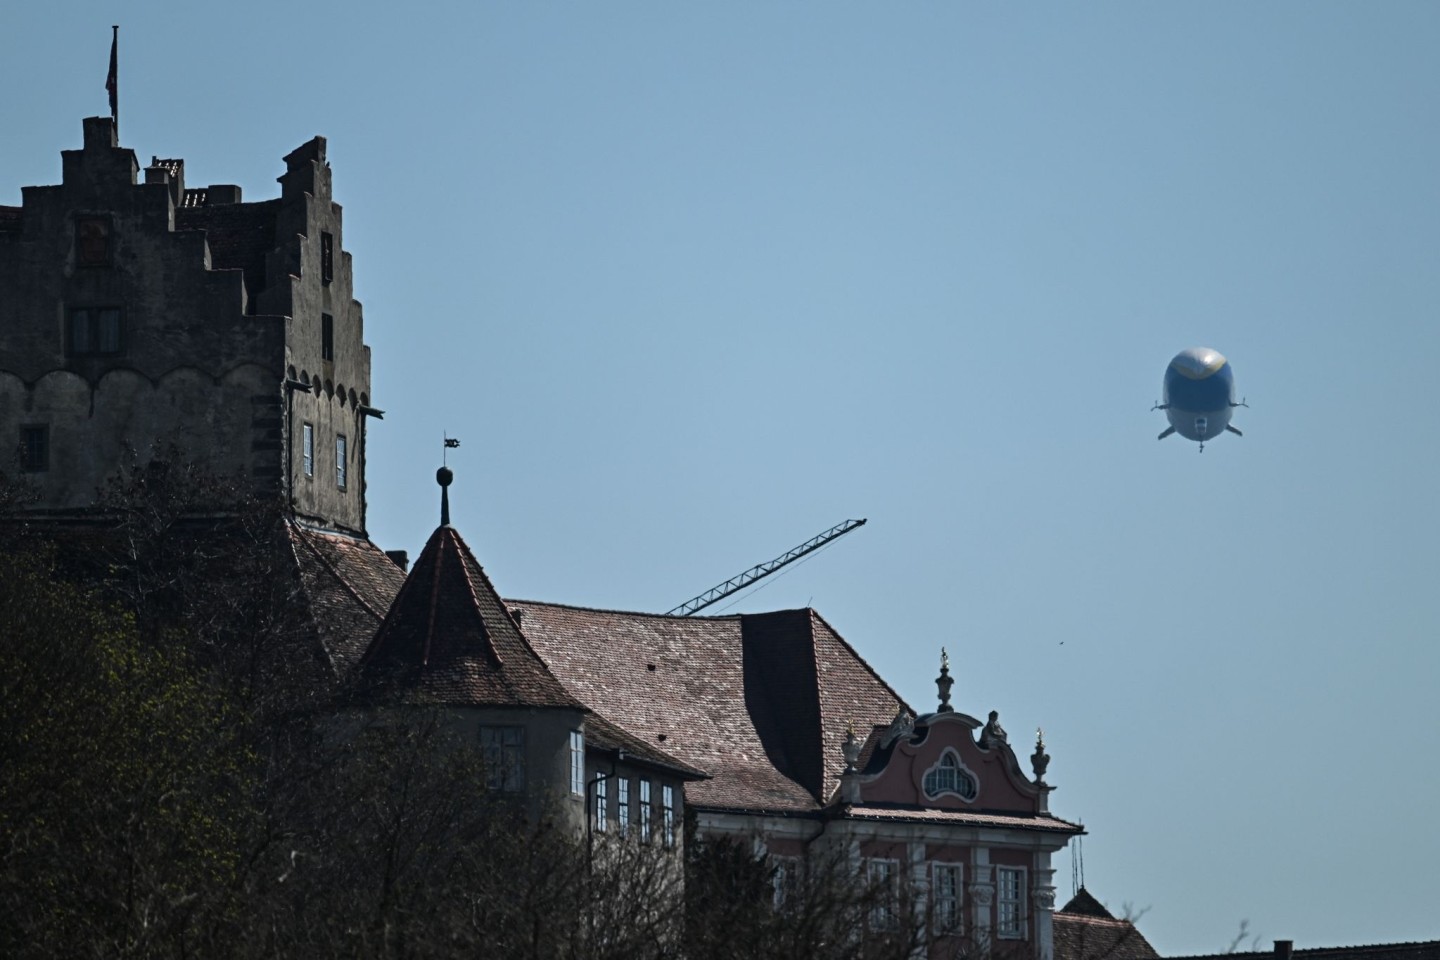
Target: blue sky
x: 693, y: 282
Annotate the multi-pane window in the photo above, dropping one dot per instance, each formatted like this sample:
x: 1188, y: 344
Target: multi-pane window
x: 946, y: 892
x: 504, y: 754
x: 340, y: 461
x: 1010, y: 902
x: 327, y: 258
x: 308, y: 431
x: 644, y: 811
x: 787, y: 881
x: 327, y: 337
x: 92, y: 241
x: 95, y: 332
x: 35, y: 448
x: 602, y: 804
x: 882, y: 876
x: 667, y: 815
x: 949, y: 776
x: 622, y: 805
x: 577, y: 763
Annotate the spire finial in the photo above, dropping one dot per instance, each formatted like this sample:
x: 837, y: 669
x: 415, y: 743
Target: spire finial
x: 445, y: 477
x: 944, y: 682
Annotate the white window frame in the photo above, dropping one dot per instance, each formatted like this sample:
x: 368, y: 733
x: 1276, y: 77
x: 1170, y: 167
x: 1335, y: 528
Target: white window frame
x: 307, y: 448
x: 577, y: 763
x: 966, y: 785
x: 644, y: 810
x: 667, y: 816
x: 884, y: 871
x: 602, y: 804
x: 949, y: 920
x: 1010, y: 925
x: 622, y: 799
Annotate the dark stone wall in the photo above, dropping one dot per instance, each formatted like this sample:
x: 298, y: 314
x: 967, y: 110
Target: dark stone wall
x: 209, y: 336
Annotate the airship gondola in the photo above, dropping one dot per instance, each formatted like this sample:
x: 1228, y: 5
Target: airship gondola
x: 1199, y: 396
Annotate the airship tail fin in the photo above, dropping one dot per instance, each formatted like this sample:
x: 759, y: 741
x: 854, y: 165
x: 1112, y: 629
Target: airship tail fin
x: 1168, y: 431
x: 1233, y: 430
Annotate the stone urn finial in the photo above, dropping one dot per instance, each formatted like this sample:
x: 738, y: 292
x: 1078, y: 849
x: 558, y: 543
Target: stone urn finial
x: 1040, y: 760
x: 944, y: 682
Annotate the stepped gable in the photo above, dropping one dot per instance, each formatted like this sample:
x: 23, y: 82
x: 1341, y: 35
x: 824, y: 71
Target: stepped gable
x: 1084, y: 930
x: 448, y: 640
x: 759, y: 702
x: 349, y: 584
x: 240, y: 235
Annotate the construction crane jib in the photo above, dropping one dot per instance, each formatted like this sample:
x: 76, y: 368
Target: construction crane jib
x: 762, y: 570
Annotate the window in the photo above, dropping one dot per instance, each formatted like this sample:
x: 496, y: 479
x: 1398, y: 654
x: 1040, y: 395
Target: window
x: 946, y: 889
x: 949, y: 775
x: 504, y: 755
x: 340, y: 461
x: 622, y: 812
x: 35, y: 448
x: 95, y: 332
x: 644, y: 811
x: 1010, y: 903
x: 309, y: 451
x: 882, y: 875
x: 92, y: 241
x: 327, y: 337
x: 667, y: 815
x: 787, y: 881
x: 327, y: 258
x: 577, y: 763
x: 602, y: 803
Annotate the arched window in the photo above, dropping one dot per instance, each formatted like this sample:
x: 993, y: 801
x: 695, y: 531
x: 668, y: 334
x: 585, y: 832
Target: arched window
x: 949, y: 775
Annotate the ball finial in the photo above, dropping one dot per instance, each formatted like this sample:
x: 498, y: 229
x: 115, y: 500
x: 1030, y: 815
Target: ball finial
x: 444, y: 476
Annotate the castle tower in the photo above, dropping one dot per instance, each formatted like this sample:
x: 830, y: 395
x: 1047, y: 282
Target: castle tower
x: 146, y: 316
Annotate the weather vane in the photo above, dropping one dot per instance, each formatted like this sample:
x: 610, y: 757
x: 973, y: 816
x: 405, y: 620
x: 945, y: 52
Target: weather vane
x: 450, y: 444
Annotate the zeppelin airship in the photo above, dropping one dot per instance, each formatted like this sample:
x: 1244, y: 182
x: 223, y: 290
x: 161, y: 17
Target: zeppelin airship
x: 1199, y: 395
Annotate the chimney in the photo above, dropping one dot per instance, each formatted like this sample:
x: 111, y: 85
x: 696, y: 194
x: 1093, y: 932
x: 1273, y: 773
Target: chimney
x: 1283, y: 949
x: 400, y: 558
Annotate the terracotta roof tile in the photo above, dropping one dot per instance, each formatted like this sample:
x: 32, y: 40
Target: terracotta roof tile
x: 349, y: 584
x: 752, y: 700
x: 1080, y: 937
x: 604, y: 735
x: 977, y: 818
x: 447, y: 638
x: 1409, y: 950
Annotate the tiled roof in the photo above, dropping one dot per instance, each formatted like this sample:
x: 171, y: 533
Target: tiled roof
x: 447, y: 638
x: 239, y: 235
x: 1082, y: 937
x: 1410, y: 950
x: 1084, y: 904
x: 349, y: 585
x: 760, y: 702
x: 961, y: 818
x: 604, y: 735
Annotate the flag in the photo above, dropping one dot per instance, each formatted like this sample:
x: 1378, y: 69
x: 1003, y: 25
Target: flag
x: 112, y: 79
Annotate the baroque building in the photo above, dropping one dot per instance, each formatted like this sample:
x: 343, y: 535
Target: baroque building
x: 141, y: 318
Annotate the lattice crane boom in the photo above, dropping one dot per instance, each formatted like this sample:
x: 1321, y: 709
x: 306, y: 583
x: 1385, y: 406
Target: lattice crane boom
x: 760, y: 571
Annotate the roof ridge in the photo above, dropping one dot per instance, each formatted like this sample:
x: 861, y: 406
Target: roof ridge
x: 863, y: 662
x: 631, y: 613
x: 330, y: 568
